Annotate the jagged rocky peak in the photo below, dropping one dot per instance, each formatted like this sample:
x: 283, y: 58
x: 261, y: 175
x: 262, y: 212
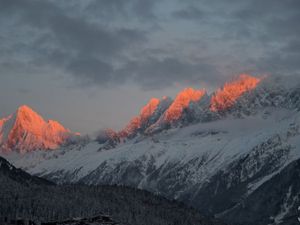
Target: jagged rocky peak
x: 182, y: 101
x: 238, y: 97
x: 272, y: 92
x: 226, y: 96
x: 148, y: 110
x: 169, y: 111
x: 148, y: 115
x: 174, y: 113
x: 25, y: 130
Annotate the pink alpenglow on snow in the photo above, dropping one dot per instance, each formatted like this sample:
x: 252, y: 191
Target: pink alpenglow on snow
x: 138, y: 121
x: 26, y: 131
x: 225, y: 97
x: 182, y: 101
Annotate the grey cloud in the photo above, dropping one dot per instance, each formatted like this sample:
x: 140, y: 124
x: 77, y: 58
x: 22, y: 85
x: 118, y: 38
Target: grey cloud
x: 91, y: 71
x: 84, y: 49
x: 24, y: 91
x: 279, y: 63
x: 71, y: 31
x: 293, y: 46
x: 110, y: 9
x: 152, y: 73
x: 271, y: 27
x: 271, y: 20
x: 98, y: 46
x: 144, y: 8
x: 189, y: 13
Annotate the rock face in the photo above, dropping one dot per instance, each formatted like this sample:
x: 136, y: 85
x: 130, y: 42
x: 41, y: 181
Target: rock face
x: 26, y: 131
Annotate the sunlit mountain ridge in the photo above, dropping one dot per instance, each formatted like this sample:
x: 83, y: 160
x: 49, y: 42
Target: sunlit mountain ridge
x: 25, y: 130
x: 174, y: 111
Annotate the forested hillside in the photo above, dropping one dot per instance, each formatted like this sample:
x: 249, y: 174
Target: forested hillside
x: 25, y: 196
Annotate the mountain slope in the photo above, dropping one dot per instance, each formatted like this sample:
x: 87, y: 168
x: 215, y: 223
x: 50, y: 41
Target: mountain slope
x: 27, y: 197
x: 25, y: 131
x: 213, y: 167
x: 20, y: 176
x: 279, y: 197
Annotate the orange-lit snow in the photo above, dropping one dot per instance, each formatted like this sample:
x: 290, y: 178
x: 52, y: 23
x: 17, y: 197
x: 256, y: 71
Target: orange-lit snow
x: 145, y: 113
x: 25, y: 130
x: 225, y: 97
x: 182, y: 100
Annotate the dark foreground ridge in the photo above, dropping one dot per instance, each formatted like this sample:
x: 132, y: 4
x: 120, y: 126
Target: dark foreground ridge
x: 97, y: 220
x: 29, y: 197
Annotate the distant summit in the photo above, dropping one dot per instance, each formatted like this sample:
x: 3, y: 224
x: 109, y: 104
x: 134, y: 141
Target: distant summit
x: 142, y: 119
x: 226, y: 97
x: 149, y: 114
x: 182, y: 101
x: 25, y: 131
x: 190, y: 105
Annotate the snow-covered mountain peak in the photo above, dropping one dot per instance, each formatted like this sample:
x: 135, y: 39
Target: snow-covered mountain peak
x: 25, y: 130
x: 158, y: 113
x: 226, y: 96
x: 182, y: 101
x: 25, y: 109
x: 149, y: 109
x: 192, y: 105
x: 27, y: 118
x: 147, y: 116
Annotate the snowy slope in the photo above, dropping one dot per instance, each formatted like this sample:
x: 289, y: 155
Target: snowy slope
x: 219, y: 141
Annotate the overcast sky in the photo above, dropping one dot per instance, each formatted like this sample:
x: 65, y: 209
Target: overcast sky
x: 92, y: 64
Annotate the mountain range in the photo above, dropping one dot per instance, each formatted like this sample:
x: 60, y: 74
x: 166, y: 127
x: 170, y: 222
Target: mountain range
x: 233, y: 154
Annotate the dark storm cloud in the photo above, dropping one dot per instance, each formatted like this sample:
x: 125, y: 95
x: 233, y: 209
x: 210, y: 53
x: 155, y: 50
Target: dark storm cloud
x: 81, y: 47
x: 279, y: 19
x: 145, y: 8
x: 189, y: 13
x: 270, y: 26
x: 293, y: 46
x: 152, y: 73
x: 106, y: 42
x: 91, y: 71
x: 137, y: 9
x: 278, y: 28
